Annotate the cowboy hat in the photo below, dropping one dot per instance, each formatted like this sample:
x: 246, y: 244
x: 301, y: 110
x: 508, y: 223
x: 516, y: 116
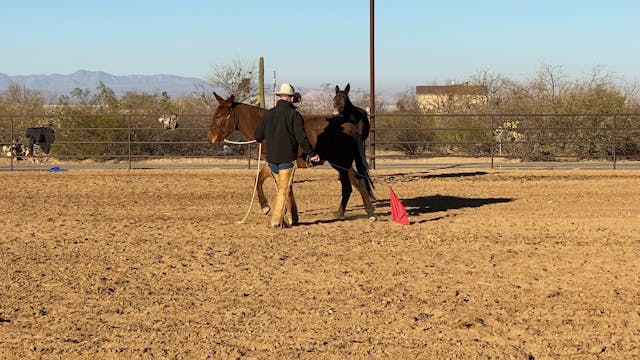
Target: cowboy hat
x: 286, y: 89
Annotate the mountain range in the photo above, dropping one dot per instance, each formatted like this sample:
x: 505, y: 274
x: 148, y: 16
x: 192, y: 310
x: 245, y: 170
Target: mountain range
x: 59, y: 84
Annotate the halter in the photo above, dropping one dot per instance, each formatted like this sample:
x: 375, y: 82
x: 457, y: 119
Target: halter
x: 232, y: 115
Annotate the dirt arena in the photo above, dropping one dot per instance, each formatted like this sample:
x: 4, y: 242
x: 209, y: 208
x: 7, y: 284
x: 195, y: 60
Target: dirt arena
x: 512, y: 264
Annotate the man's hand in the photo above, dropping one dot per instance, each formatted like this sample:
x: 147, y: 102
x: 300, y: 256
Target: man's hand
x: 315, y: 158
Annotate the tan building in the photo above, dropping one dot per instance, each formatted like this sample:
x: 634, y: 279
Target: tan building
x: 451, y: 97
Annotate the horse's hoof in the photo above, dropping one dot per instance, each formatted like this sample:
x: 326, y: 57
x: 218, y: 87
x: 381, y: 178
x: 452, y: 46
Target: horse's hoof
x: 266, y: 210
x: 372, y: 218
x: 338, y: 216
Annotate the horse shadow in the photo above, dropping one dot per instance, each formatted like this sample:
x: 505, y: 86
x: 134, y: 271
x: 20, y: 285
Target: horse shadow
x: 421, y: 204
x: 438, y: 203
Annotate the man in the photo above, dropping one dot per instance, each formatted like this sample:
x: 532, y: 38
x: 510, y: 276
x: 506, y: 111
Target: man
x: 282, y: 127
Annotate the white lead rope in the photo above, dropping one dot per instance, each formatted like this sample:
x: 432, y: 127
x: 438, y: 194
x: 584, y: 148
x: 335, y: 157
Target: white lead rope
x: 255, y: 186
x: 239, y: 142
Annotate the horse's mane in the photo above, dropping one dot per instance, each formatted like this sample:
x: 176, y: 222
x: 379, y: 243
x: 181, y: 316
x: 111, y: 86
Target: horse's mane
x: 236, y: 103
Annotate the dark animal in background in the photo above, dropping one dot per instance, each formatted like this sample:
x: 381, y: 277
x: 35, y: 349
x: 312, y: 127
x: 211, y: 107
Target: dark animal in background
x: 42, y: 136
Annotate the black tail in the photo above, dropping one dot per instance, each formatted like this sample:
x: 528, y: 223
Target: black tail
x: 364, y: 126
x: 362, y: 167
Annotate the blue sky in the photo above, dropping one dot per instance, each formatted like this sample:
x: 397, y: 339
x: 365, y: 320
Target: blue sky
x: 310, y: 43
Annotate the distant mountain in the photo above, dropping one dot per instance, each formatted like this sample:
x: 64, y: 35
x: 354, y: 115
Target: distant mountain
x: 58, y: 84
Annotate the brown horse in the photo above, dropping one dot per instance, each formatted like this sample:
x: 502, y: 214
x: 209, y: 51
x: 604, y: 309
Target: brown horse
x: 231, y: 115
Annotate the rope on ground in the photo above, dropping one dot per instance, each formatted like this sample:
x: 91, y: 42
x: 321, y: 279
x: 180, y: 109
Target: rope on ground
x: 255, y: 185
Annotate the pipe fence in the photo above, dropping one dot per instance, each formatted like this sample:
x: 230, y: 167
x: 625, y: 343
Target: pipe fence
x: 129, y: 139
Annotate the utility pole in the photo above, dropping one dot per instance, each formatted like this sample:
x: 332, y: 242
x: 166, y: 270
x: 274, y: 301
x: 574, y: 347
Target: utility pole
x: 372, y: 84
x: 274, y: 88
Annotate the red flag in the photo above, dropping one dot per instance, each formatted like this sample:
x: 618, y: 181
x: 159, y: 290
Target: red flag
x: 398, y: 213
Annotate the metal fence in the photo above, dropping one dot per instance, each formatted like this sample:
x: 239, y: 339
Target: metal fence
x: 128, y: 139
x: 526, y: 137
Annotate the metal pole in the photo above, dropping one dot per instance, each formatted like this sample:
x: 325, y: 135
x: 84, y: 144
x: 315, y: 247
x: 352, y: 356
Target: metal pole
x: 249, y: 156
x: 129, y: 138
x: 615, y: 145
x: 274, y: 88
x: 493, y: 141
x: 372, y: 84
x: 12, y: 138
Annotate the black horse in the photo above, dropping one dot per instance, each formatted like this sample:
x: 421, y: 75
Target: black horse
x: 338, y: 145
x: 360, y: 119
x: 353, y: 114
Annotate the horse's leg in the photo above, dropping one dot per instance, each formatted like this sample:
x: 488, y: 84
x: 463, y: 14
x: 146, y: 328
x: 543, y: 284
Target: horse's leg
x: 346, y: 193
x: 361, y: 186
x: 265, y: 173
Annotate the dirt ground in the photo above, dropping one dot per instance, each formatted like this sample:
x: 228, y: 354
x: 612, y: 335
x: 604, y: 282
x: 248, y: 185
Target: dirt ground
x: 510, y: 264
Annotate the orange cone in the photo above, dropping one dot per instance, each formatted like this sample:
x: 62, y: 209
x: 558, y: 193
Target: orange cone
x: 398, y: 213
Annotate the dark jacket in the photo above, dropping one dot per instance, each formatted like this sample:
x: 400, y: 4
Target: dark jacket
x: 283, y: 129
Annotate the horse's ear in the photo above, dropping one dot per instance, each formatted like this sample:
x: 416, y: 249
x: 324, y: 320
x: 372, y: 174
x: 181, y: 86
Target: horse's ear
x: 346, y: 88
x: 337, y: 89
x: 218, y: 97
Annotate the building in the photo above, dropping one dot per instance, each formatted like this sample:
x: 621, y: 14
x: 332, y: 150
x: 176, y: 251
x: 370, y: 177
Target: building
x: 455, y: 97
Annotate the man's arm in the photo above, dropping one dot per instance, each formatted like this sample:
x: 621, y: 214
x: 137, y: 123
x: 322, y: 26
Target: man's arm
x: 258, y: 133
x: 302, y: 139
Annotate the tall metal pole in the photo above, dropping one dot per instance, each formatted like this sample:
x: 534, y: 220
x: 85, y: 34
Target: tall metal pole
x: 372, y: 84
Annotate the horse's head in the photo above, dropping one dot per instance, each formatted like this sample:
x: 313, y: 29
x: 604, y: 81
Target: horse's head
x: 224, y: 120
x: 341, y: 100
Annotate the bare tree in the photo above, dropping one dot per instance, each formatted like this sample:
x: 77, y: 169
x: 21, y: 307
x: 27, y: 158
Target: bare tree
x: 318, y: 101
x: 18, y: 95
x: 237, y: 78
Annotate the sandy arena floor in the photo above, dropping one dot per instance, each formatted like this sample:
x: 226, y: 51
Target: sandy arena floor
x: 151, y: 264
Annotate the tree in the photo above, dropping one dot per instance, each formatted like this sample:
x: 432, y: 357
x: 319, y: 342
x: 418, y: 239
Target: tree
x: 318, y: 101
x: 18, y: 98
x: 237, y: 78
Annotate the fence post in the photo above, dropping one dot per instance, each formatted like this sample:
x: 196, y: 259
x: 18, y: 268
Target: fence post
x: 11, y: 143
x: 372, y: 141
x: 615, y: 145
x: 249, y: 156
x: 493, y: 140
x: 129, y: 139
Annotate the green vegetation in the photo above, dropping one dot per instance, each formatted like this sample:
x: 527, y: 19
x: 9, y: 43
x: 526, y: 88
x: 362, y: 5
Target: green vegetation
x: 545, y: 118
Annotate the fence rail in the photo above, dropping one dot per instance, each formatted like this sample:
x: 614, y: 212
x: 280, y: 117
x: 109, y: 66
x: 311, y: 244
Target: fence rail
x: 534, y: 137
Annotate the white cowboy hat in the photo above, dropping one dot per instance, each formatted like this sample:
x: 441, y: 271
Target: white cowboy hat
x: 286, y: 89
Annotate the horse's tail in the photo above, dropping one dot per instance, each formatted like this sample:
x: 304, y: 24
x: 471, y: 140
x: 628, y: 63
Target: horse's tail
x: 362, y: 167
x: 364, y: 126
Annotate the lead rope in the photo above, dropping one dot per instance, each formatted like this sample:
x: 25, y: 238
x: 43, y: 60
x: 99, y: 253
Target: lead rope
x: 255, y: 186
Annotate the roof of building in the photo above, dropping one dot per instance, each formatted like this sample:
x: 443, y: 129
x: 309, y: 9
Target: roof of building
x: 459, y: 89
